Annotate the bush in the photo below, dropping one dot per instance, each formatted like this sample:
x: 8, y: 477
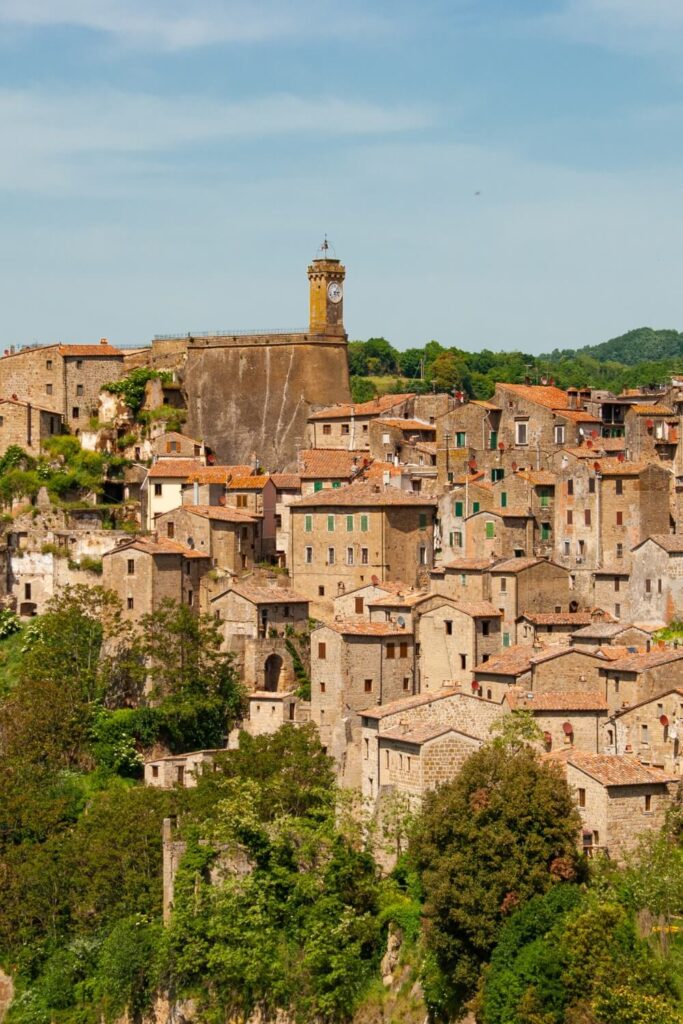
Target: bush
x: 9, y: 623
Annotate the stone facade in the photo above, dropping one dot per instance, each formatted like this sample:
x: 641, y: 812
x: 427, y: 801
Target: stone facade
x: 347, y: 426
x: 655, y: 592
x: 522, y: 585
x: 229, y: 537
x: 635, y: 677
x: 452, y: 639
x: 652, y: 731
x: 26, y: 425
x: 144, y: 573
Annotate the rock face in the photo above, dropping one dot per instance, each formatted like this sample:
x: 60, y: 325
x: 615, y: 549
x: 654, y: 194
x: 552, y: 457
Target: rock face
x: 253, y: 394
x: 6, y: 993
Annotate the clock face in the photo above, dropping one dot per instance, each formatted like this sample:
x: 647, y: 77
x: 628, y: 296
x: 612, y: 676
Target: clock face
x: 334, y: 291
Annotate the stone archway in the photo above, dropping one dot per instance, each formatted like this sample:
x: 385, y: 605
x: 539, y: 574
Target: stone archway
x: 271, y: 673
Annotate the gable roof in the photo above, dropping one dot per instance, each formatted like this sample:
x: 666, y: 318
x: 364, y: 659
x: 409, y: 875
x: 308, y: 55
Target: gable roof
x: 331, y: 463
x: 218, y: 474
x: 475, y: 609
x: 657, y: 409
x: 669, y: 542
x: 89, y: 350
x: 645, y: 660
x: 394, y: 707
x: 264, y: 595
x: 173, y: 468
x: 575, y: 619
x: 286, y: 481
x: 515, y: 565
x: 220, y: 513
x: 548, y: 396
x: 604, y: 630
x: 375, y: 407
x: 369, y: 629
x: 421, y: 734
x: 360, y: 495
x: 248, y: 482
x: 156, y: 547
x: 613, y: 769
x: 558, y: 700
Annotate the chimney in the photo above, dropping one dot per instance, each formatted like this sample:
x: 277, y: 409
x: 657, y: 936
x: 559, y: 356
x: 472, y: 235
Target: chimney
x: 104, y: 341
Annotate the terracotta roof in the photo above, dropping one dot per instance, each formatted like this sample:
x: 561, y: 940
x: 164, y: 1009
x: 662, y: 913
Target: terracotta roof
x: 538, y: 476
x: 388, y: 586
x: 157, y: 547
x: 218, y: 474
x: 614, y: 467
x: 512, y: 661
x: 171, y: 434
x: 549, y: 396
x: 468, y: 478
x: 394, y: 707
x: 179, y: 468
x: 221, y: 513
x: 401, y: 600
x: 409, y: 424
x: 248, y: 483
x: 378, y: 469
x: 267, y: 595
x: 361, y: 628
x: 360, y: 495
x: 613, y: 652
x: 615, y: 769
x: 422, y: 734
x: 603, y: 630
x: 671, y: 543
x: 331, y: 463
x: 286, y: 481
x: 24, y: 405
x: 657, y: 697
x: 518, y: 564
x: 485, y: 405
x: 89, y: 350
x: 476, y: 609
x: 652, y: 410
x: 472, y: 564
x: 650, y: 627
x: 579, y: 416
x: 645, y: 660
x: 375, y: 407
x: 557, y: 618
x: 558, y: 700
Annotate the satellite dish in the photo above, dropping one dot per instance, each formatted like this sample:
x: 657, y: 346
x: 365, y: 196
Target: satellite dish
x: 375, y: 580
x: 401, y: 621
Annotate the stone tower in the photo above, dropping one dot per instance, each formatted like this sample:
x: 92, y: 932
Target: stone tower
x: 251, y: 394
x: 326, y: 277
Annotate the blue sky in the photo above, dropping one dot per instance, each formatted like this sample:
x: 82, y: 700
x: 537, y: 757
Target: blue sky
x: 171, y: 166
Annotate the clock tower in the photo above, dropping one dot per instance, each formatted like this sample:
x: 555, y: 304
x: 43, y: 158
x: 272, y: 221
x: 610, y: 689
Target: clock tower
x: 326, y: 276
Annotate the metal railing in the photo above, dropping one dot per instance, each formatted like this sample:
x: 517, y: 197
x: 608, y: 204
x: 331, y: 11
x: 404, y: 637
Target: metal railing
x: 231, y: 334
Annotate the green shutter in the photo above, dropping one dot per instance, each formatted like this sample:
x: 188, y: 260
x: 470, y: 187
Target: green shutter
x: 545, y: 531
x: 330, y: 524
x: 349, y: 524
x: 545, y: 501
x: 451, y: 539
x: 336, y: 483
x: 317, y: 485
x: 503, y: 499
x: 475, y: 507
x: 494, y: 439
x: 308, y: 525
x: 460, y: 439
x: 506, y: 639
x: 364, y: 524
x: 423, y: 520
x: 490, y: 531
x: 458, y: 510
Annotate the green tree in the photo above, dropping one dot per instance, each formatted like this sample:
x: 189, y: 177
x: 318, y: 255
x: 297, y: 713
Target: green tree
x: 362, y: 389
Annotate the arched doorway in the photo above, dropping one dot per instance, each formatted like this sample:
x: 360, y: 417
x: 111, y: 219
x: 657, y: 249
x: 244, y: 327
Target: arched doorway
x: 272, y: 670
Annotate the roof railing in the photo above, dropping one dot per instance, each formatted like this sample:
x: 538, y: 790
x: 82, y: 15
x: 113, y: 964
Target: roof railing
x: 231, y: 334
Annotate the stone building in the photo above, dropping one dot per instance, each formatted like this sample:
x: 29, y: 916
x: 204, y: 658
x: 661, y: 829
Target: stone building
x: 636, y: 676
x: 229, y: 537
x: 356, y: 604
x: 287, y: 490
x: 601, y: 634
x: 544, y: 670
x: 294, y: 370
x: 523, y: 585
x: 401, y: 606
x: 540, y: 419
x: 655, y: 592
x: 179, y: 769
x: 463, y: 579
x: 355, y: 665
x: 330, y: 467
x: 172, y: 444
x: 544, y: 628
x: 63, y: 379
x: 652, y: 432
x: 567, y: 718
x: 452, y: 637
x: 343, y: 537
x: 144, y: 573
x: 208, y: 485
x: 508, y: 533
x: 348, y: 426
x: 618, y: 799
x: 26, y: 425
x: 398, y: 439
x: 467, y: 431
x: 256, y: 494
x: 651, y: 731
x: 162, y: 490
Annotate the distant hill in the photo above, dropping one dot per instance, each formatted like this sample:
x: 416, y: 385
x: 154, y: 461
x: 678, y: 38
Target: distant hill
x: 644, y: 344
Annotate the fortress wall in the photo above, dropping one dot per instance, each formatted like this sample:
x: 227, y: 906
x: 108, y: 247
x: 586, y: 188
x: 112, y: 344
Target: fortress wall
x: 254, y: 394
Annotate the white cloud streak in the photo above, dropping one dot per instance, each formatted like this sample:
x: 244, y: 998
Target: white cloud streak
x: 634, y: 26
x: 183, y: 24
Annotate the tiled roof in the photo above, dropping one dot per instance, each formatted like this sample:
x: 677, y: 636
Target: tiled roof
x: 218, y: 474
x: 361, y: 628
x: 360, y: 495
x: 404, y: 600
x: 89, y: 350
x: 645, y: 660
x: 178, y: 468
x: 409, y: 424
x: 248, y: 483
x: 476, y: 609
x: 652, y: 410
x: 331, y: 463
x: 377, y: 470
x: 375, y: 407
x: 157, y: 547
x: 468, y: 478
x: 267, y: 595
x: 576, y: 619
x: 579, y: 416
x: 518, y: 564
x: 485, y: 405
x: 422, y: 734
x: 602, y: 630
x: 170, y: 435
x: 394, y: 707
x: 558, y: 700
x: 388, y: 586
x: 513, y: 661
x: 470, y: 564
x: 612, y: 652
x: 671, y: 543
x: 615, y: 467
x: 24, y: 405
x: 221, y: 513
x: 286, y: 481
x: 649, y: 700
x: 548, y: 396
x: 543, y: 477
x: 616, y: 769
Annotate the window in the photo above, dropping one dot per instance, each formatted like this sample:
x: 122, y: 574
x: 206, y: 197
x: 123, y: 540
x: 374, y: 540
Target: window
x: 570, y: 487
x: 403, y: 649
x: 582, y: 797
x: 364, y: 524
x: 308, y: 556
x: 349, y: 524
x: 358, y: 605
x: 458, y: 510
x: 364, y: 556
x: 617, y: 612
x: 423, y: 555
x: 157, y: 490
x: 321, y: 591
x: 27, y: 591
x: 545, y: 531
x: 490, y: 530
x: 521, y: 433
x: 475, y: 507
x: 278, y: 521
x: 391, y: 650
x: 544, y: 497
x: 617, y: 583
x: 503, y: 585
x: 190, y: 597
x: 620, y: 550
x: 345, y: 428
x: 322, y: 651
x: 485, y: 627
x: 644, y: 734
x: 48, y: 389
x: 648, y: 586
x: 648, y: 802
x: 570, y: 517
x: 366, y: 748
x: 423, y: 520
x: 330, y: 524
x: 559, y: 435
x: 170, y: 530
x: 620, y: 518
x: 155, y: 771
x: 659, y: 586
x: 131, y: 604
x: 506, y: 639
x: 587, y: 517
x: 75, y: 412
x: 406, y: 682
x: 48, y: 364
x: 327, y: 428
x: 367, y: 685
x: 317, y: 485
x: 619, y: 486
x: 497, y: 474
x: 457, y: 538
x: 330, y: 556
x: 448, y: 626
x: 241, y: 501
x: 567, y: 547
x: 308, y: 524
x: 285, y: 611
x: 460, y: 439
x: 503, y: 499
x: 131, y: 567
x: 79, y: 364
x: 463, y: 662
x: 349, y: 561
x: 79, y: 389
x: 591, y: 485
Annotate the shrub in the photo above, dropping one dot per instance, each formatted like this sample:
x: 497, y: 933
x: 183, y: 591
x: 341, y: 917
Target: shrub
x: 9, y: 623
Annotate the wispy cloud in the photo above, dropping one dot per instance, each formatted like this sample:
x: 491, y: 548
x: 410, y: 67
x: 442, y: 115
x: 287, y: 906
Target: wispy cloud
x: 636, y: 26
x: 55, y: 137
x: 182, y: 24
